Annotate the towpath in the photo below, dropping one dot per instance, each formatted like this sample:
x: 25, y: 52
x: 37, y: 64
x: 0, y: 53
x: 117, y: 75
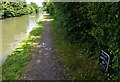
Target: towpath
x: 43, y: 65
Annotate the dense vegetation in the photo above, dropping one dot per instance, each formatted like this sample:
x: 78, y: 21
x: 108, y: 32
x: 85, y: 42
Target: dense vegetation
x: 12, y: 9
x: 93, y: 26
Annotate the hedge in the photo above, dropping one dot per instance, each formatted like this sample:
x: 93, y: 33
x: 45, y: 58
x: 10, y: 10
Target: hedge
x: 94, y: 26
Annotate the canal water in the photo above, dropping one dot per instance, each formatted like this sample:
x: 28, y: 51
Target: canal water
x: 13, y: 32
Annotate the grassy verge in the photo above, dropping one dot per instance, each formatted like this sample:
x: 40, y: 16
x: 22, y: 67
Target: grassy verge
x: 15, y: 64
x: 78, y: 66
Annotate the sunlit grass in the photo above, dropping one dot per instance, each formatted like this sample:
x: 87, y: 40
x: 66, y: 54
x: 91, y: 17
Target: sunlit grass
x: 46, y: 19
x: 15, y: 64
x: 78, y: 66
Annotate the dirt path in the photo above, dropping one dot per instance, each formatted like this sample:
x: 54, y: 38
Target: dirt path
x: 43, y: 65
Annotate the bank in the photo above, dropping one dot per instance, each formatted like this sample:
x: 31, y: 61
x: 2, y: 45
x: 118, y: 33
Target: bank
x: 15, y: 64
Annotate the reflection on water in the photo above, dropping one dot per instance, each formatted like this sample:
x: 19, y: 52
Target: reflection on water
x: 14, y: 30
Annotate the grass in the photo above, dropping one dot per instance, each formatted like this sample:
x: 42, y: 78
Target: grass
x: 78, y: 66
x: 15, y: 64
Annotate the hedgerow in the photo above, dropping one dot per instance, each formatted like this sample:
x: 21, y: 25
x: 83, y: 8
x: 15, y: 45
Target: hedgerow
x: 94, y: 26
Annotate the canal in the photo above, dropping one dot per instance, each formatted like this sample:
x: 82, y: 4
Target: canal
x: 13, y: 32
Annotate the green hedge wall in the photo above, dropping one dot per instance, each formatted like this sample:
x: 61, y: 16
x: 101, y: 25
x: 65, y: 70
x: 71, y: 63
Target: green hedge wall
x: 94, y: 26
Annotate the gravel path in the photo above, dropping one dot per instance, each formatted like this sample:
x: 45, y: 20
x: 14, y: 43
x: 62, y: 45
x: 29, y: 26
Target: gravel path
x: 43, y: 65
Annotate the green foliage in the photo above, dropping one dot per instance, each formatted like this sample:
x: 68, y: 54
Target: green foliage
x: 12, y: 9
x: 15, y: 64
x: 40, y: 9
x: 95, y: 26
x: 49, y: 7
x: 35, y: 6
